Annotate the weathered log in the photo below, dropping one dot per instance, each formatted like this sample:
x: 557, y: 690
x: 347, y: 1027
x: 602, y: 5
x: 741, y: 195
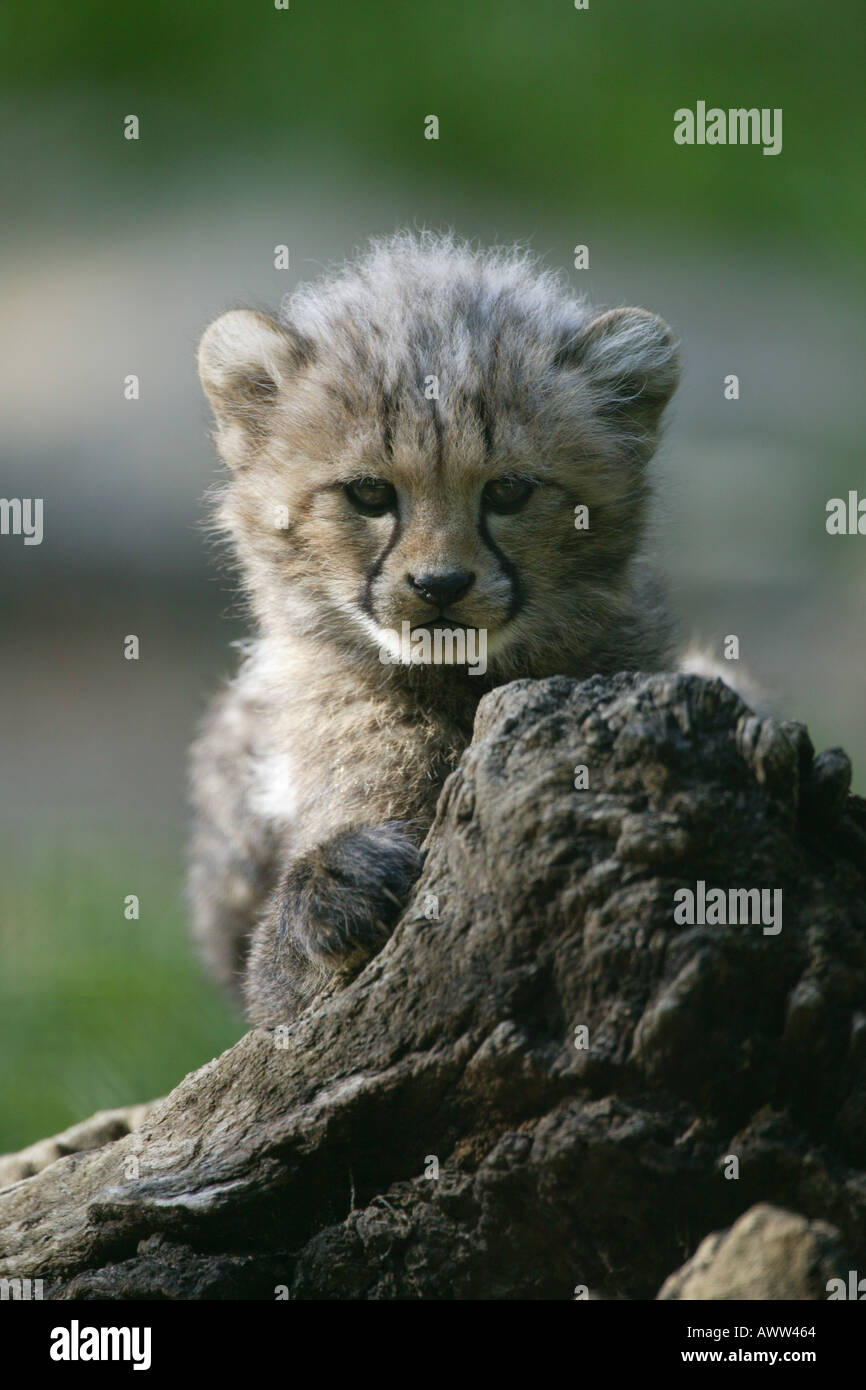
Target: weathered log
x: 440, y: 1126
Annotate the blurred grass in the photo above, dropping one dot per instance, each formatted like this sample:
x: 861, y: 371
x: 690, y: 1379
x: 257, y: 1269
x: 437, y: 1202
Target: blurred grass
x: 551, y: 103
x: 96, y: 1011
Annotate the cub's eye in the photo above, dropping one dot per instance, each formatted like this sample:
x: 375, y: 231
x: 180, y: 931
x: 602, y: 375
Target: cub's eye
x: 507, y: 494
x: 371, y: 496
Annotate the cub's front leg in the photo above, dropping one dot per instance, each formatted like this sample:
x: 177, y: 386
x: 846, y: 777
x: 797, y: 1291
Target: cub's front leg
x: 333, y: 907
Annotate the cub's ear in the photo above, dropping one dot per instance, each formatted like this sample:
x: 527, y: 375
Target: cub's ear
x: 244, y: 361
x: 632, y: 360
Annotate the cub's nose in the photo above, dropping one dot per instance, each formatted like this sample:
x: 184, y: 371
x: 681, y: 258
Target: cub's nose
x: 441, y: 589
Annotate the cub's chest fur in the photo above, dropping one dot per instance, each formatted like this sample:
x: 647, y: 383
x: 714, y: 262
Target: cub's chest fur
x: 335, y: 743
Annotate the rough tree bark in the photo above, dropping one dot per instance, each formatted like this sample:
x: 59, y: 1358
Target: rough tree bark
x: 306, y: 1161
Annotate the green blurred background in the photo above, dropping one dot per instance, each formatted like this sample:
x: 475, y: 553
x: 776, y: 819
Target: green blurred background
x: 306, y: 127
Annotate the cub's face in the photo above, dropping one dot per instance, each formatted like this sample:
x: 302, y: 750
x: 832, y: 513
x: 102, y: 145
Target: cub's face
x: 420, y: 463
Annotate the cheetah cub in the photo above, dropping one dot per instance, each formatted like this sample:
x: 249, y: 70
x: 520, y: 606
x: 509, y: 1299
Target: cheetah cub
x: 437, y: 482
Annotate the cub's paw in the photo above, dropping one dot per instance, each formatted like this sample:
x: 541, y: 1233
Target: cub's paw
x: 338, y: 903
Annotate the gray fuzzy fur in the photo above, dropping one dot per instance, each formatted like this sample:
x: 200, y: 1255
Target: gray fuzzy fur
x: 316, y: 745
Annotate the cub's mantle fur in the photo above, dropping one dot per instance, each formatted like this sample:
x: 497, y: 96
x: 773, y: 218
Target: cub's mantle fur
x: 407, y: 443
